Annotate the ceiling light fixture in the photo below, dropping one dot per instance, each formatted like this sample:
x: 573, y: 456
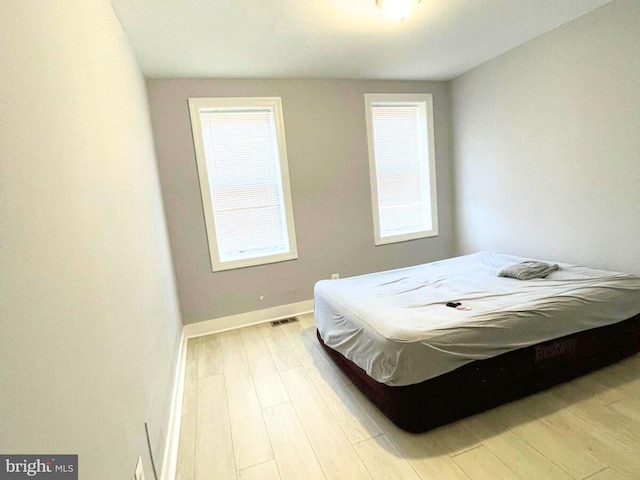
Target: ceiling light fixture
x: 397, y: 10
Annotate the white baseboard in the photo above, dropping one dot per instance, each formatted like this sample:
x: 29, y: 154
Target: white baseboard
x: 246, y: 319
x: 170, y: 458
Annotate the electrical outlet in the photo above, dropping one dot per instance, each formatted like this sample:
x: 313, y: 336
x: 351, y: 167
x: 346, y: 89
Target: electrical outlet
x: 139, y: 473
x: 335, y: 276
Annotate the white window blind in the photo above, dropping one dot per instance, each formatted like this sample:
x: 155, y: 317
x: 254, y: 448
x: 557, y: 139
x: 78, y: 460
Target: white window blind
x: 403, y: 171
x: 247, y: 192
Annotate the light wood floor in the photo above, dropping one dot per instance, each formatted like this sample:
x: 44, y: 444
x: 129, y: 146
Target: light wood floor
x: 266, y: 403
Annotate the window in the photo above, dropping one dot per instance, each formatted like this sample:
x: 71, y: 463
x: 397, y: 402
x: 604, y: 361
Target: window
x: 402, y: 166
x: 242, y: 164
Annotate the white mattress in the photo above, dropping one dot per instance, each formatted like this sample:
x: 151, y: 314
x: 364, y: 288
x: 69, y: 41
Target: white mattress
x: 396, y: 326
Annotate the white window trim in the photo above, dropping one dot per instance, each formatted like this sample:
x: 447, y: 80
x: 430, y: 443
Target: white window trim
x: 195, y: 104
x: 378, y: 98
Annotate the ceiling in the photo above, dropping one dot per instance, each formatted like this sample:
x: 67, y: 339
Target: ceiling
x: 332, y: 38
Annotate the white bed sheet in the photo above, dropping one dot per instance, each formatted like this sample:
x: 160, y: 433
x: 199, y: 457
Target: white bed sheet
x: 396, y: 326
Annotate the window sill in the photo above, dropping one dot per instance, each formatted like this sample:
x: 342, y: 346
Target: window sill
x: 253, y: 262
x: 405, y: 237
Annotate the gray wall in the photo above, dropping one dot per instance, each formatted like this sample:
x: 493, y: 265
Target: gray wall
x: 89, y: 321
x: 547, y: 145
x: 328, y: 165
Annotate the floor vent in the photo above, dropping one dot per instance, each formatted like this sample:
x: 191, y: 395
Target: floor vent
x: 275, y: 323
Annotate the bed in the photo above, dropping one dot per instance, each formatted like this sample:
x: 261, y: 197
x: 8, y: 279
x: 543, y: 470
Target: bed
x: 425, y: 364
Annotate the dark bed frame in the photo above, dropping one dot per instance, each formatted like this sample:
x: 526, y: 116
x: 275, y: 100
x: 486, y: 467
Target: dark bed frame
x: 484, y: 384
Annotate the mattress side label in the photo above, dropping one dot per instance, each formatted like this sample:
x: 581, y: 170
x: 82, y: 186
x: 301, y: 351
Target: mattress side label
x: 556, y: 348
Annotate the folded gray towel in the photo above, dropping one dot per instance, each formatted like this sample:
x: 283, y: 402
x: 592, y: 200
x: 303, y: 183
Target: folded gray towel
x: 527, y: 270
